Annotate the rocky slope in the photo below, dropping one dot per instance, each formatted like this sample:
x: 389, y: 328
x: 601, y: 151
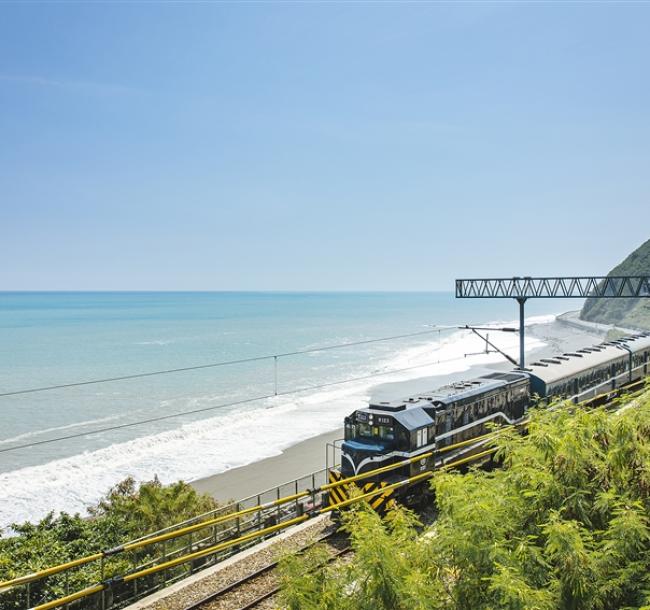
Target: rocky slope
x: 629, y: 313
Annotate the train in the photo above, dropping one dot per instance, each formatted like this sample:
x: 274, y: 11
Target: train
x: 387, y: 432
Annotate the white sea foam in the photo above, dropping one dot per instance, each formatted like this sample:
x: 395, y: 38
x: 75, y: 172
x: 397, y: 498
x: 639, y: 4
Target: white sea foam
x: 213, y: 445
x: 44, y: 431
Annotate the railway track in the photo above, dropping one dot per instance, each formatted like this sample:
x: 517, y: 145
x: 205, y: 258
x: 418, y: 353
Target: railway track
x: 255, y: 588
x: 262, y: 583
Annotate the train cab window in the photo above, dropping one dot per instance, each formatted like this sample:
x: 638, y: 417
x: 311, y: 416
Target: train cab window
x: 364, y: 430
x: 384, y: 433
x: 349, y: 431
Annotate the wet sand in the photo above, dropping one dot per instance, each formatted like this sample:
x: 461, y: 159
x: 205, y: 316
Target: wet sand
x: 308, y: 456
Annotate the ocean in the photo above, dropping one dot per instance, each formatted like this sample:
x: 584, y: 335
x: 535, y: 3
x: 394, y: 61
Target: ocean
x: 59, y: 338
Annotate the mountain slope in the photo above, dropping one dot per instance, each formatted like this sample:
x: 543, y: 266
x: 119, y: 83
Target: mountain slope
x: 629, y: 313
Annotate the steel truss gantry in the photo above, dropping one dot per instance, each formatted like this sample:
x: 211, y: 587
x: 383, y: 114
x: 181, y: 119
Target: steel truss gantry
x: 630, y: 286
x: 580, y: 287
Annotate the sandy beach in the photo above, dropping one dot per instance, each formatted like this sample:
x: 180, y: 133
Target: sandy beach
x: 294, y: 462
x: 309, y: 455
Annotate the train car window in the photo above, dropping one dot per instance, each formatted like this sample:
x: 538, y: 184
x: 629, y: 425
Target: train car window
x: 419, y: 439
x: 424, y: 436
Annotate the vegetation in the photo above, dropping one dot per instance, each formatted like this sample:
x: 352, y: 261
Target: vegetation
x: 564, y: 524
x: 628, y: 313
x: 127, y: 512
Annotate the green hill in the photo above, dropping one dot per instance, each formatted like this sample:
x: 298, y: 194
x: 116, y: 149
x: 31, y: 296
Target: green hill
x: 629, y: 313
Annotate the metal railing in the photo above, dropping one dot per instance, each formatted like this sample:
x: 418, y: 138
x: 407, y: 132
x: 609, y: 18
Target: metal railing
x: 178, y: 553
x: 113, y: 566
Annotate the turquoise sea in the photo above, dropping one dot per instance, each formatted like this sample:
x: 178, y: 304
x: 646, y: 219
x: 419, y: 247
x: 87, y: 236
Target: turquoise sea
x: 59, y: 338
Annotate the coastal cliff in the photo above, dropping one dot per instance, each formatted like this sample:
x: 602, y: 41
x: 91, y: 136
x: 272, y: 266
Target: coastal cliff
x: 628, y: 313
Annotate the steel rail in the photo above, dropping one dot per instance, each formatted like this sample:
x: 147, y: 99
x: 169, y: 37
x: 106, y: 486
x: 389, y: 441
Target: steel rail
x: 264, y: 596
x: 259, y: 572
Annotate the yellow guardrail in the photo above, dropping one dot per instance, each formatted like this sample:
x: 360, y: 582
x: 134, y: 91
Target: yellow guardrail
x: 263, y: 532
x: 228, y: 517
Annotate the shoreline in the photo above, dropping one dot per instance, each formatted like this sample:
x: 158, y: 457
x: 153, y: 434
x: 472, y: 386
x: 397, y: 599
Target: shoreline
x: 308, y: 456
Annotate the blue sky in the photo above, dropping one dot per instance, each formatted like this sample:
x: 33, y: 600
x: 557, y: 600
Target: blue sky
x: 319, y: 146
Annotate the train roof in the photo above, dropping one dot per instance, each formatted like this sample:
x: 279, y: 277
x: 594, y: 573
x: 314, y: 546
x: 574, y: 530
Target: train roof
x: 553, y: 369
x: 406, y: 410
x: 466, y: 389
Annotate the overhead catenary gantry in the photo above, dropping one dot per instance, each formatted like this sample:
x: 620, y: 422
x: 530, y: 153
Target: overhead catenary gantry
x: 579, y: 287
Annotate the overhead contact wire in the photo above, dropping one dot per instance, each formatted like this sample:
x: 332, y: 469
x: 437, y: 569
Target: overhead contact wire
x: 222, y: 406
x: 199, y: 367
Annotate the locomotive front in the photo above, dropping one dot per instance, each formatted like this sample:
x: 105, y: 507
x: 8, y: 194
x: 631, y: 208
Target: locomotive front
x: 385, y: 433
x: 369, y: 437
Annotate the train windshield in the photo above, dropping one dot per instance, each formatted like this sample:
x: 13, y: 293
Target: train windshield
x: 384, y: 433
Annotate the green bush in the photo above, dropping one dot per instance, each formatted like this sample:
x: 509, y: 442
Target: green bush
x: 127, y: 512
x: 563, y: 525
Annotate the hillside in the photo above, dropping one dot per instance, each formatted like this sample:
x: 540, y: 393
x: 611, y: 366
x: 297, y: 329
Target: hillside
x: 629, y: 313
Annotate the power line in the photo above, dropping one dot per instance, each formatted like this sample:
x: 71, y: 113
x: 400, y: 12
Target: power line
x: 219, y: 364
x: 223, y: 405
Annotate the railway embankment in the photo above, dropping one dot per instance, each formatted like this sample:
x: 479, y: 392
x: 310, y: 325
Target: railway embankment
x: 564, y: 524
x: 232, y: 575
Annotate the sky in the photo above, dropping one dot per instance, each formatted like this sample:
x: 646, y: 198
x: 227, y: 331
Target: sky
x: 319, y: 146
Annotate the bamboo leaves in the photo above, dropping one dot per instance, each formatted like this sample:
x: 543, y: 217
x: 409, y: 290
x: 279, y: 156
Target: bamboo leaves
x: 563, y: 525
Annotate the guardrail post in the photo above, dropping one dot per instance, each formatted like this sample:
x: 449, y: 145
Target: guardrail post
x: 67, y: 585
x: 189, y: 550
x: 102, y: 575
x: 29, y: 595
x: 135, y: 581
